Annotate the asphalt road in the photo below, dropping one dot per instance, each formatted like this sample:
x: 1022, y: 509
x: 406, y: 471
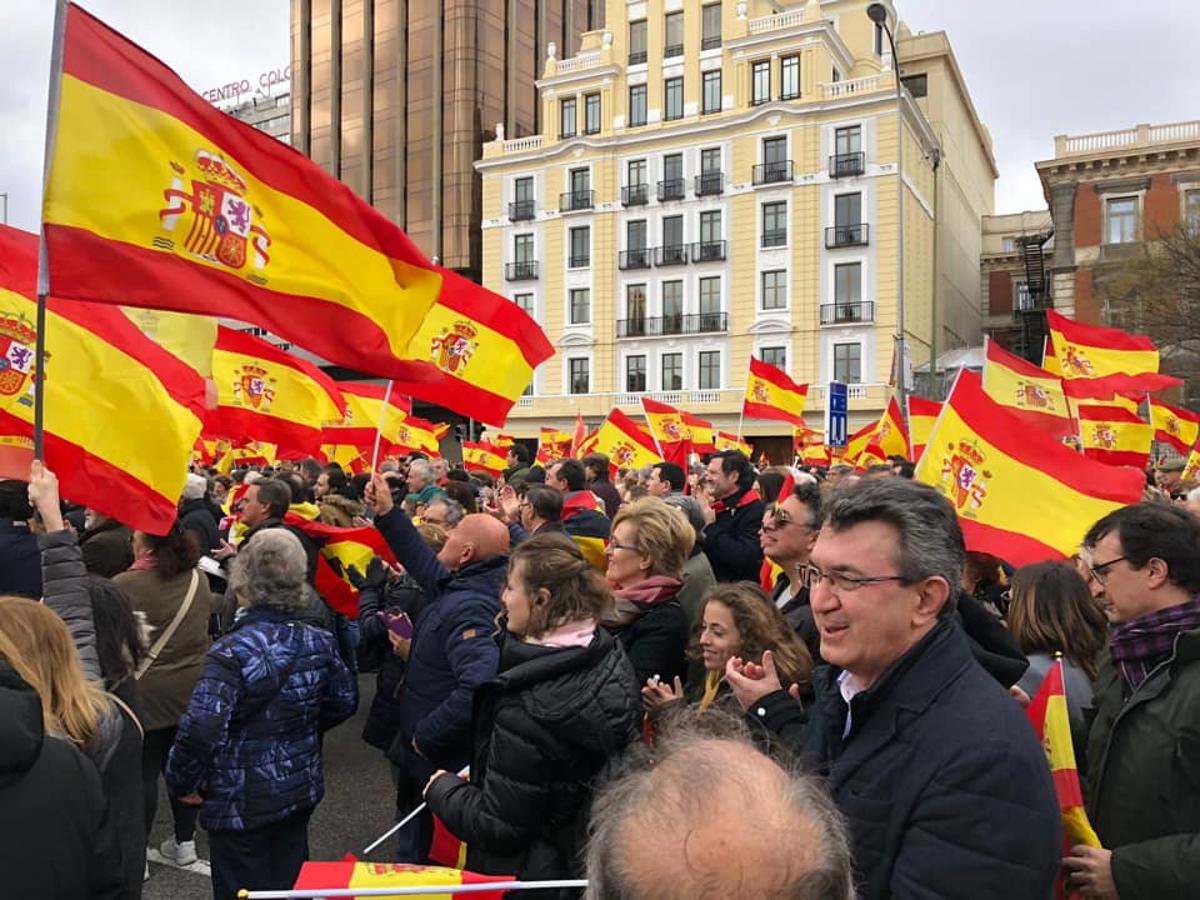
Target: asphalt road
x: 359, y: 805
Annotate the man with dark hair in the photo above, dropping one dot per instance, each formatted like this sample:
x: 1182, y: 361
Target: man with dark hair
x: 943, y: 782
x: 665, y: 478
x: 789, y: 532
x: 517, y: 462
x: 733, y: 516
x: 595, y: 467
x: 539, y: 510
x: 331, y: 481
x: 582, y: 514
x: 1143, y: 789
x: 20, y: 559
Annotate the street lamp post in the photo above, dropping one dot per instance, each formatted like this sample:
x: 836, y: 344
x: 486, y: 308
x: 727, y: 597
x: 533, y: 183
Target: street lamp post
x: 878, y: 14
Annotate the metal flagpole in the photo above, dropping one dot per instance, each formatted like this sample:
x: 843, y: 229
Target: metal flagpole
x: 412, y: 815
x: 426, y: 890
x: 387, y: 397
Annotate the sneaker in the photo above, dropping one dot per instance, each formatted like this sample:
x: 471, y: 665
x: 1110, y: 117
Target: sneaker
x: 178, y: 854
x: 146, y: 874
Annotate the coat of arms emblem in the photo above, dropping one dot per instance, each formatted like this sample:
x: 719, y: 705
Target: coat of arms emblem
x: 962, y: 467
x: 254, y: 387
x: 18, y: 337
x: 454, y: 347
x: 1076, y: 362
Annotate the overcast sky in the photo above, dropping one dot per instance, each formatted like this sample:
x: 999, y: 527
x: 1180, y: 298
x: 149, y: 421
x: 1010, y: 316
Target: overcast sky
x: 1035, y: 68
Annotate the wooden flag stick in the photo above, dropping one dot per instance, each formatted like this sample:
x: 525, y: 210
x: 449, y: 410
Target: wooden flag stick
x: 387, y: 397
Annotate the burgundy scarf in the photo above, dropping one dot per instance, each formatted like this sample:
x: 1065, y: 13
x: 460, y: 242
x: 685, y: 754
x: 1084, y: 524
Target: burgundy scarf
x: 745, y: 500
x: 636, y: 600
x: 1138, y: 646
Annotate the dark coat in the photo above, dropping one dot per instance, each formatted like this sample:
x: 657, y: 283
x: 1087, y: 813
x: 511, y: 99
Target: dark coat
x: 543, y: 729
x: 196, y: 516
x: 20, y: 562
x: 248, y: 742
x: 107, y: 548
x: 59, y: 843
x: 942, y: 781
x: 608, y: 493
x: 656, y: 642
x: 375, y: 654
x: 452, y: 650
x: 1144, y: 778
x: 731, y: 541
x: 516, y: 475
x: 798, y: 613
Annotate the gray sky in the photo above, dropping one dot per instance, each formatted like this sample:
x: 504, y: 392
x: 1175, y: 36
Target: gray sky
x: 1035, y: 68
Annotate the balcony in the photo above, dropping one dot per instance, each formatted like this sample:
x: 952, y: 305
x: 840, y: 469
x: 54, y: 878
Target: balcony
x: 708, y: 251
x: 659, y: 326
x: 579, y: 262
x: 774, y: 238
x: 773, y: 172
x: 847, y: 313
x: 524, y: 270
x: 671, y: 255
x: 637, y: 57
x: 672, y: 50
x: 672, y: 189
x: 573, y: 200
x: 858, y: 235
x: 709, y: 184
x: 521, y: 210
x: 634, y: 259
x: 711, y: 42
x: 843, y: 165
x: 635, y: 195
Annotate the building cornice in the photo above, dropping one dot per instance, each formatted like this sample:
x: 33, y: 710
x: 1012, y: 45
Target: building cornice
x: 824, y: 28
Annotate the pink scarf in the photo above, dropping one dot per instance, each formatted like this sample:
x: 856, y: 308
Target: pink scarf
x: 145, y: 563
x: 569, y: 634
x: 637, y: 599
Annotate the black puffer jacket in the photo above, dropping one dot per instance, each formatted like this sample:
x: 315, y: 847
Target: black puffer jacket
x: 543, y: 729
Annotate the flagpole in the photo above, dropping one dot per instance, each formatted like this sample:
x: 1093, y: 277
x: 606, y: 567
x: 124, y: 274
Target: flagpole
x: 650, y: 428
x: 425, y: 890
x: 412, y: 815
x: 387, y: 397
x: 741, y: 419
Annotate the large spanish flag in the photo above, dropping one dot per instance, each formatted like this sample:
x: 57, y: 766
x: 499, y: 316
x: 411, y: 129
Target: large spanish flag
x: 1178, y: 427
x: 352, y: 874
x: 121, y: 413
x: 1112, y: 434
x: 1104, y: 359
x: 1030, y: 393
x: 156, y: 199
x: 369, y: 408
x: 922, y: 416
x: 1020, y: 494
x: 483, y: 457
x: 267, y: 394
x: 626, y: 445
x: 771, y: 394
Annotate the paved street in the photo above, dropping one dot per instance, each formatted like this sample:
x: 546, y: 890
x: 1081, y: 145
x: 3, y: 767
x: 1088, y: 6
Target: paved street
x: 358, y: 806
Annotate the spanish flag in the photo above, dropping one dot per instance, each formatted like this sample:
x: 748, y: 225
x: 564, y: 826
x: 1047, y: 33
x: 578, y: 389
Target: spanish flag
x: 352, y: 459
x: 665, y: 421
x: 1019, y: 494
x: 341, y: 548
x: 268, y: 394
x: 553, y: 445
x: 483, y: 457
x: 416, y: 435
x: 587, y: 444
x: 625, y: 444
x: 922, y: 416
x: 815, y: 455
x: 1191, y: 469
x: 890, y: 437
x: 447, y: 849
x: 503, y: 441
x: 369, y: 408
x: 254, y: 453
x: 1032, y: 394
x: 1178, y: 427
x: 700, y: 433
x: 1112, y: 434
x: 353, y: 874
x: 723, y: 440
x: 856, y: 445
x: 155, y: 199
x: 121, y: 413
x: 1103, y: 359
x: 771, y: 394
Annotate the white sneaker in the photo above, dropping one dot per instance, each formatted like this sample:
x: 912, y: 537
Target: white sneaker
x: 181, y: 854
x: 146, y: 874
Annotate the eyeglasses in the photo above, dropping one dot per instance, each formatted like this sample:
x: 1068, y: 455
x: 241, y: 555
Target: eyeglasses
x: 783, y: 520
x: 845, y: 583
x: 615, y: 546
x: 1100, y: 570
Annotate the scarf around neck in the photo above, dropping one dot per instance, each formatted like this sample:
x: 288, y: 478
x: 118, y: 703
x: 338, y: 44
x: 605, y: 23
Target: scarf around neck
x: 1139, y: 646
x: 745, y: 499
x: 636, y: 600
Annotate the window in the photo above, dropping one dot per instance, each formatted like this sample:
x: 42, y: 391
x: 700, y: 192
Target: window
x: 566, y: 117
x: 774, y: 356
x: 847, y: 210
x: 847, y: 285
x: 672, y: 371
x: 1122, y: 215
x: 672, y: 307
x: 578, y: 371
x: 710, y: 370
x: 712, y: 92
x: 917, y: 85
x: 673, y: 98
x: 774, y: 150
x: 710, y: 226
x: 710, y: 16
x: 581, y: 247
x: 523, y: 248
x: 1191, y: 211
x: 637, y: 42
x: 1009, y: 245
x: 635, y: 235
x: 847, y: 140
x: 637, y: 104
x: 525, y: 302
x: 672, y: 231
x: 1021, y: 298
x: 710, y: 162
x: 673, y: 167
x: 847, y: 363
x: 774, y: 289
x: 635, y: 172
x: 674, y: 34
x: 523, y: 189
x: 635, y: 374
x: 710, y: 296
x: 760, y: 82
x: 581, y: 180
x: 774, y: 224
x: 580, y: 303
x: 789, y: 78
x: 591, y: 113
x: 635, y: 308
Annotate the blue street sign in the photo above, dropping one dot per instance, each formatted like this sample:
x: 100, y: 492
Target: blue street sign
x: 836, y: 414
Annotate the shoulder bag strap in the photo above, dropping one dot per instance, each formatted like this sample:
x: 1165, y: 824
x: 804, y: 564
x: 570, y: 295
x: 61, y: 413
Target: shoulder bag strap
x: 157, y: 647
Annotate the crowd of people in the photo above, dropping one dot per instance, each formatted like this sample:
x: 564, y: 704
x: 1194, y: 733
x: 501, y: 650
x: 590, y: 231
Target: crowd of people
x: 674, y: 682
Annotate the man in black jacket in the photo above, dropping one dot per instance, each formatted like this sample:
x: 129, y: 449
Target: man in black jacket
x: 20, y: 560
x: 733, y: 517
x: 788, y: 535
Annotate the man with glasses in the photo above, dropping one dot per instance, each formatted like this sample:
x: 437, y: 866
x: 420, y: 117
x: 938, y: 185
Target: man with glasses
x: 943, y: 783
x: 1143, y: 756
x: 536, y: 509
x: 789, y: 531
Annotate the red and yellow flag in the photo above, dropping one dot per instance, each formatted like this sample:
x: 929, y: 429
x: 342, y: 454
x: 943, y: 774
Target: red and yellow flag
x: 1191, y: 469
x: 922, y: 416
x: 503, y: 441
x: 446, y: 848
x: 700, y: 433
x: 483, y: 457
x: 815, y: 455
x: 665, y: 421
x: 1030, y: 393
x: 1019, y: 494
x: 1104, y: 359
x: 587, y: 444
x: 341, y: 548
x: 154, y: 198
x: 267, y: 394
x: 1178, y: 427
x: 723, y: 440
x: 553, y: 445
x: 352, y: 874
x: 771, y: 394
x: 366, y: 412
x: 121, y: 413
x: 856, y: 445
x: 890, y: 437
x: 1112, y: 434
x: 416, y: 435
x: 625, y: 444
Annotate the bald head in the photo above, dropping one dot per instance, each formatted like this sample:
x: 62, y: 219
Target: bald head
x: 477, y: 537
x: 753, y: 830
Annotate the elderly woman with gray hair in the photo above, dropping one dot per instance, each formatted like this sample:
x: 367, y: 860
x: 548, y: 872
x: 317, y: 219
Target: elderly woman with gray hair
x: 247, y: 750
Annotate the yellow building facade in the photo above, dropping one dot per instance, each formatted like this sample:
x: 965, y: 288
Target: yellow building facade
x: 716, y: 180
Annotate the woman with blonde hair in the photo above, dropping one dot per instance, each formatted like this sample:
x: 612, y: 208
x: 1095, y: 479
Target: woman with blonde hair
x: 649, y: 545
